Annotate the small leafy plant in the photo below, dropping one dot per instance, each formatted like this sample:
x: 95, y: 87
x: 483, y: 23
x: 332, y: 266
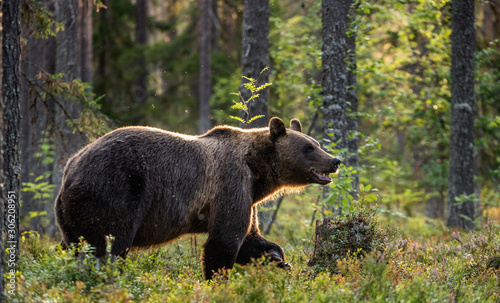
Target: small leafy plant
x: 242, y: 104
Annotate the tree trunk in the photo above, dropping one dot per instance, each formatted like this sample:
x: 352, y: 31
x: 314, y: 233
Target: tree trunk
x: 10, y: 124
x: 434, y: 205
x: 140, y: 90
x: 216, y: 27
x: 335, y: 49
x: 352, y: 107
x: 68, y: 140
x: 87, y: 41
x: 461, y: 183
x: 205, y: 89
x: 255, y: 57
x: 36, y: 125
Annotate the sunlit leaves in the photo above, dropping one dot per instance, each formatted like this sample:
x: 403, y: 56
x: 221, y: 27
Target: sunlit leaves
x: 242, y: 104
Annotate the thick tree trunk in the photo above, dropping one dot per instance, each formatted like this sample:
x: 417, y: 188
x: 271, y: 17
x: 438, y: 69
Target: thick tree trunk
x: 335, y: 48
x: 255, y: 57
x: 10, y: 124
x: 205, y: 85
x: 36, y: 125
x: 68, y: 139
x: 140, y: 90
x: 461, y: 183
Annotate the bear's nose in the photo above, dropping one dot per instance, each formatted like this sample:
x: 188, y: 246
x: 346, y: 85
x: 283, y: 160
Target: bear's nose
x: 336, y: 161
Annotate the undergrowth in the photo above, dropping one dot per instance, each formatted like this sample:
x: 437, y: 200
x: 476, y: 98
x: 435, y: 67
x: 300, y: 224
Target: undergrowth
x: 449, y: 267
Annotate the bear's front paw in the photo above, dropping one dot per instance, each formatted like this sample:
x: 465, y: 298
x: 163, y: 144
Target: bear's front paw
x: 284, y: 265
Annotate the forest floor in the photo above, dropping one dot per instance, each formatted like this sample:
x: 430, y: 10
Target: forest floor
x: 423, y: 262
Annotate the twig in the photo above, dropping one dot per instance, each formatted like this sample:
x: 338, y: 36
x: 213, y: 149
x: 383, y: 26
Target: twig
x: 65, y: 112
x: 273, y: 216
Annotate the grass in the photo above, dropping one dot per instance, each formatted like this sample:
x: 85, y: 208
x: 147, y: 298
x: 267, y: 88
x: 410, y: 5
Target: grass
x: 441, y: 266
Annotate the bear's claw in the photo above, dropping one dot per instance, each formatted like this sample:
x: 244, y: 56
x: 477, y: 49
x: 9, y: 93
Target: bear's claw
x: 284, y: 265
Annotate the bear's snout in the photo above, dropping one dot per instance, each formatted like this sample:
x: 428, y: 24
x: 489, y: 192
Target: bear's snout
x: 336, y: 162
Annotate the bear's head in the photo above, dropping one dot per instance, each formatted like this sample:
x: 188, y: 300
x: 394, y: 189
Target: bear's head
x: 301, y: 161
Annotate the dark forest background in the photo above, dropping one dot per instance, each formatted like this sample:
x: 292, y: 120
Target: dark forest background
x: 91, y: 66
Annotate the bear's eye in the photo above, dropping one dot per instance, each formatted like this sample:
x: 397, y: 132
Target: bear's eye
x: 308, y: 149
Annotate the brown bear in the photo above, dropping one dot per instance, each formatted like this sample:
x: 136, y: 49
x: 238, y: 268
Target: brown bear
x: 147, y: 186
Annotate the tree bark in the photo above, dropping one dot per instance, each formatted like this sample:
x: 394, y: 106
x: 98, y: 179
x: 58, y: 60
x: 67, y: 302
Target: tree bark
x: 10, y: 124
x: 87, y: 41
x: 335, y: 79
x: 334, y: 49
x: 460, y: 182
x: 205, y: 85
x: 67, y: 140
x: 352, y: 106
x: 255, y: 57
x: 140, y: 90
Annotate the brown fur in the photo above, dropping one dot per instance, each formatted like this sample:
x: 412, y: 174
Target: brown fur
x: 146, y: 186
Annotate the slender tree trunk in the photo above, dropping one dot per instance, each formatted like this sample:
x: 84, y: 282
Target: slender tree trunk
x: 10, y: 144
x: 434, y: 206
x: 87, y: 41
x: 352, y: 105
x: 216, y: 27
x: 205, y: 89
x: 335, y: 79
x: 68, y: 139
x: 255, y: 56
x: 461, y: 183
x: 140, y: 90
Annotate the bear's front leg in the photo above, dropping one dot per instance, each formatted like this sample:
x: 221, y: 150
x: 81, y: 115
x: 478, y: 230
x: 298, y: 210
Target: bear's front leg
x: 255, y: 246
x: 227, y: 230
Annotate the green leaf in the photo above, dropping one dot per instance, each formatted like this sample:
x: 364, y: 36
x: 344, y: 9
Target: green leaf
x: 263, y: 86
x: 252, y: 97
x: 239, y: 119
x: 239, y: 106
x: 249, y: 79
x: 255, y: 118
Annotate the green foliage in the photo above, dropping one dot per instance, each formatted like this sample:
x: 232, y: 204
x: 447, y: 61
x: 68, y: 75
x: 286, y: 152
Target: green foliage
x: 41, y: 22
x: 41, y: 189
x: 454, y: 266
x: 353, y: 236
x: 295, y: 54
x: 242, y: 104
x: 91, y: 122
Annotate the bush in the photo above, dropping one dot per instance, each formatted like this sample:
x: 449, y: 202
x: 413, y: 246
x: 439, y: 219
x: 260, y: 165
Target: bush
x: 354, y: 235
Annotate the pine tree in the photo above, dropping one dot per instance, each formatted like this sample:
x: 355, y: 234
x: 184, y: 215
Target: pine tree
x: 10, y: 124
x: 461, y: 176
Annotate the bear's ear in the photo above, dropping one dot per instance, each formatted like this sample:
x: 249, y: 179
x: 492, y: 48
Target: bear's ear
x: 295, y: 125
x: 276, y: 128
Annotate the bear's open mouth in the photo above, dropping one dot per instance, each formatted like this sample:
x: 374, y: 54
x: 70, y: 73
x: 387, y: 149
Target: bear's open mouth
x: 323, y: 178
